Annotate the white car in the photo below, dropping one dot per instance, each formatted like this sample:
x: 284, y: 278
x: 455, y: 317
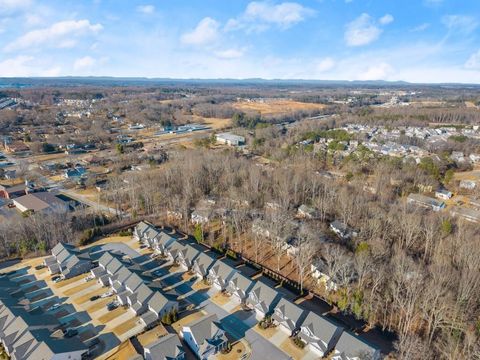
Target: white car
x: 54, y: 306
x: 107, y: 294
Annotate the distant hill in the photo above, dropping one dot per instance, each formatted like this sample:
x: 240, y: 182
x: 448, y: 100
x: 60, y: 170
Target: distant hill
x: 134, y: 81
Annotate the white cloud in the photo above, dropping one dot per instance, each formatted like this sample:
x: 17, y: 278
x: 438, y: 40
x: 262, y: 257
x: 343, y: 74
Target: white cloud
x: 463, y: 24
x: 61, y: 34
x: 84, y: 63
x: 362, y: 31
x: 260, y: 15
x: 205, y: 32
x: 421, y: 27
x: 146, y: 9
x: 473, y: 61
x: 365, y: 30
x: 8, y: 7
x: 325, y: 65
x: 23, y: 66
x: 386, y: 19
x: 230, y: 53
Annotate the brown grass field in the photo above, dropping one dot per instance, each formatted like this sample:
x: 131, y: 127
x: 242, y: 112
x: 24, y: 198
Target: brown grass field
x: 276, y: 107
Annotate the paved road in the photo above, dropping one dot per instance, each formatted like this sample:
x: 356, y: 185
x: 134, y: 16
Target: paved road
x: 92, y: 204
x: 243, y: 327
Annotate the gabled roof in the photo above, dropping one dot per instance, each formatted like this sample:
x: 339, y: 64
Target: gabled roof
x: 290, y: 310
x: 204, y: 260
x: 241, y: 281
x: 222, y: 269
x: 165, y: 239
x: 133, y: 282
x: 204, y: 328
x: 114, y: 266
x: 143, y: 293
x: 265, y: 293
x: 320, y: 327
x: 165, y: 348
x: 190, y: 252
x: 352, y: 346
x: 158, y: 301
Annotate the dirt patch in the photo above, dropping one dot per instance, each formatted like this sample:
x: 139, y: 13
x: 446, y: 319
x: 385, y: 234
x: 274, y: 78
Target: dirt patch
x: 220, y: 298
x: 275, y: 106
x: 236, y: 353
x: 293, y: 350
x: 112, y: 315
x: 266, y: 333
x: 200, y: 285
x: 150, y: 336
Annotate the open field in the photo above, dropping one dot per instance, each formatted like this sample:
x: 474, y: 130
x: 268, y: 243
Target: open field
x: 276, y: 107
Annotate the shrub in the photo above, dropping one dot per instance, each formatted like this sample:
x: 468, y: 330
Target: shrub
x: 125, y: 233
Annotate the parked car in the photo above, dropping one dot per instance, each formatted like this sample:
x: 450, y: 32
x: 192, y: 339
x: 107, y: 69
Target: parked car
x: 95, y: 297
x: 40, y: 267
x: 112, y: 306
x: 70, y: 333
x: 54, y: 306
x: 57, y: 279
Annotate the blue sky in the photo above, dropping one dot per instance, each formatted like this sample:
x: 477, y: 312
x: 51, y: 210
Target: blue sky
x: 411, y: 40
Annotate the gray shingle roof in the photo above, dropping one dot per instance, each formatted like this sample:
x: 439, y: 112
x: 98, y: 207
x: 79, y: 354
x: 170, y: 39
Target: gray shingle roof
x: 165, y: 348
x: 353, y: 346
x: 266, y: 294
x: 320, y: 327
x: 290, y: 311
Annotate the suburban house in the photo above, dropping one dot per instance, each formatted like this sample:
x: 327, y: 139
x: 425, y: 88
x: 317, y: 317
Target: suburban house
x: 205, y: 336
x: 317, y: 271
x: 11, y: 192
x: 230, y: 139
x: 138, y: 301
x: 288, y: 315
x: 28, y: 335
x: 202, y: 264
x: 68, y: 261
x: 425, y: 202
x: 471, y: 215
x: 220, y: 274
x: 350, y: 347
x: 187, y: 255
x: 162, y: 242
x: 173, y: 250
x: 263, y: 299
x: 239, y: 286
x: 319, y: 334
x: 149, y: 236
x: 443, y: 194
x: 342, y: 230
x: 40, y: 201
x: 167, y: 347
x: 76, y: 172
x: 468, y: 184
x: 140, y: 230
x: 157, y: 306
